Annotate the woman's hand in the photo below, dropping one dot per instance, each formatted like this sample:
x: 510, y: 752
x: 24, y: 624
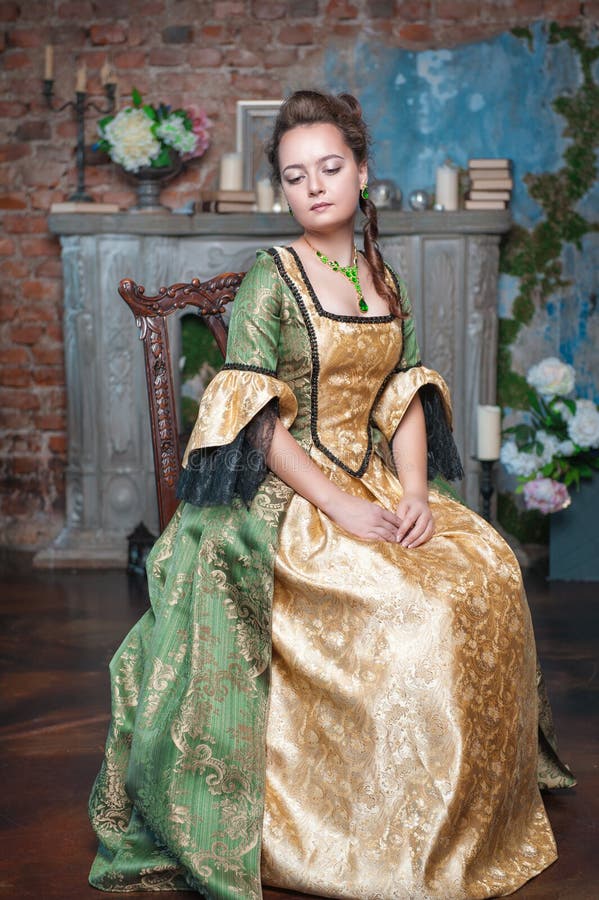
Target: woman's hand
x: 417, y: 523
x: 411, y: 524
x: 365, y: 520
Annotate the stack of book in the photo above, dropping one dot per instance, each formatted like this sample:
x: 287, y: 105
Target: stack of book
x: 228, y: 201
x: 491, y: 184
x: 90, y: 206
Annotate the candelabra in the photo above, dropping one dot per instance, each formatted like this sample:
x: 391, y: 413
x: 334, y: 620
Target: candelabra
x: 486, y: 486
x: 80, y: 106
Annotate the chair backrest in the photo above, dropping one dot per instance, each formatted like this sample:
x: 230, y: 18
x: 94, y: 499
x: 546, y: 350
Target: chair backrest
x: 210, y: 298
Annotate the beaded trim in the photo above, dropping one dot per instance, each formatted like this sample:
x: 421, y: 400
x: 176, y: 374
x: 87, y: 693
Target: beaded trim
x: 356, y: 473
x: 247, y: 368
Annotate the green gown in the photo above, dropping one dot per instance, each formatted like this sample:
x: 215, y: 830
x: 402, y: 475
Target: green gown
x: 344, y: 718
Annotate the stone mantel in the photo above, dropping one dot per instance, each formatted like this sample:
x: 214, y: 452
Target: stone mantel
x: 450, y: 264
x: 258, y: 224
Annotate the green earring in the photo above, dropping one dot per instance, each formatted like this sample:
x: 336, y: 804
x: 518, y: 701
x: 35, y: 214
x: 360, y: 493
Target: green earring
x: 364, y: 192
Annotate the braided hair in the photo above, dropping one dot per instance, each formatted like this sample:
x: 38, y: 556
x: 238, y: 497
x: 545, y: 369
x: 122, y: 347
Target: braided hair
x: 343, y: 111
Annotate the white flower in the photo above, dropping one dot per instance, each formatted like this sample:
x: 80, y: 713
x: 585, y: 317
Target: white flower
x: 583, y: 427
x: 173, y: 132
x: 518, y: 463
x: 552, y: 377
x: 550, y: 447
x: 566, y: 448
x: 132, y: 143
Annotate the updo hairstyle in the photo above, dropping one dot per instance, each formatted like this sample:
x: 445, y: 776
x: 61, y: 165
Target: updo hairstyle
x: 343, y: 111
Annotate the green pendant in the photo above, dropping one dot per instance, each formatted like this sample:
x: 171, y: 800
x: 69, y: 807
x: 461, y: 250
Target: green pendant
x: 350, y: 272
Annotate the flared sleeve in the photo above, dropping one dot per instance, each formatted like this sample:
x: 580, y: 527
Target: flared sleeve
x: 409, y: 378
x: 226, y: 453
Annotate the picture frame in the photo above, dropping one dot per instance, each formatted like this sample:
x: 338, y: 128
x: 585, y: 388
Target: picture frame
x: 255, y: 120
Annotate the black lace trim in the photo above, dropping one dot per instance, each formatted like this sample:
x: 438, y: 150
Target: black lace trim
x: 356, y: 473
x: 246, y: 368
x: 215, y: 475
x: 443, y: 457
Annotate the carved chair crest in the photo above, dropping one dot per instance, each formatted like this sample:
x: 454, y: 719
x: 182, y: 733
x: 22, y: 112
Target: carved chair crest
x: 210, y: 299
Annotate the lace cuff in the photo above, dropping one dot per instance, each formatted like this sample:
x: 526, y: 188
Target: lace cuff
x: 213, y: 476
x: 443, y: 455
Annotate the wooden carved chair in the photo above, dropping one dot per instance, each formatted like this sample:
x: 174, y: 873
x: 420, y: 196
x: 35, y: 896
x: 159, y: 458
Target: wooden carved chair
x: 209, y: 298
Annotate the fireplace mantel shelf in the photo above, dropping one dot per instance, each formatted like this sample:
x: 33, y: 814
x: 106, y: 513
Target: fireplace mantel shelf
x: 256, y: 224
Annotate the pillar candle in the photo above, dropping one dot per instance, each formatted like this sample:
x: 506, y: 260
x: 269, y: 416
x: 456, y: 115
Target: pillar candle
x: 81, y: 79
x: 265, y: 195
x: 49, y: 68
x: 446, y: 192
x: 231, y: 172
x: 489, y: 432
x: 105, y: 73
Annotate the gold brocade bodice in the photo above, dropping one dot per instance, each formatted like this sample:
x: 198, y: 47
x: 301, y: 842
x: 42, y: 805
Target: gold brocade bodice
x: 352, y: 359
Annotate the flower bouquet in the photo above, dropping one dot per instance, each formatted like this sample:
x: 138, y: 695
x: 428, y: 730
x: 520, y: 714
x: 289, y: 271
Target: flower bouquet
x: 557, y: 446
x: 143, y: 136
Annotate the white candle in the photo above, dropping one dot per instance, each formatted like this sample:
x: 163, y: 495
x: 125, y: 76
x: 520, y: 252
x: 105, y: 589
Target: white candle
x: 231, y: 172
x: 49, y: 69
x: 81, y: 79
x: 265, y: 195
x: 446, y: 193
x: 489, y: 432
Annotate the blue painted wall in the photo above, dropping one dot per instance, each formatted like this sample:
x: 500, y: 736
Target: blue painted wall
x: 487, y: 99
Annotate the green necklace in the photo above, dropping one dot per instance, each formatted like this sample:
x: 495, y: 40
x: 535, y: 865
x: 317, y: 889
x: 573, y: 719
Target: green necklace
x: 350, y: 272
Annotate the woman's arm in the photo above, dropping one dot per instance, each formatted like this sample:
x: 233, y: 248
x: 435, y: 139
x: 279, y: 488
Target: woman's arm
x: 409, y: 454
x: 359, y: 517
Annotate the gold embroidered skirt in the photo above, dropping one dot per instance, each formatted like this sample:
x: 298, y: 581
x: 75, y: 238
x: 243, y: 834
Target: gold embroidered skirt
x: 402, y: 734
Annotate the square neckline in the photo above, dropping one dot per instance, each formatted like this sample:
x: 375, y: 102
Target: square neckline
x: 325, y: 313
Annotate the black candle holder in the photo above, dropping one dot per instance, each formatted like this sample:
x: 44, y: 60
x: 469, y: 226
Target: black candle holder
x: 486, y: 486
x: 80, y: 106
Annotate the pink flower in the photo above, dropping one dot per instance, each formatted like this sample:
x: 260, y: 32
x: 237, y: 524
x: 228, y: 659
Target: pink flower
x: 546, y: 495
x: 200, y: 125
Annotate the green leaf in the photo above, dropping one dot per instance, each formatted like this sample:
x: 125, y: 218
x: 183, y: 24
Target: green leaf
x: 102, y: 123
x: 535, y: 403
x: 569, y: 478
x: 525, y: 436
x: 150, y: 112
x: 136, y: 98
x: 163, y: 159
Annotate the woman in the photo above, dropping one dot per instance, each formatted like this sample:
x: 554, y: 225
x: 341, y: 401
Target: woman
x: 388, y: 749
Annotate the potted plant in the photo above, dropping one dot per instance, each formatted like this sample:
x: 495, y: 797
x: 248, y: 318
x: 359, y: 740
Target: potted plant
x: 553, y: 450
x: 152, y: 142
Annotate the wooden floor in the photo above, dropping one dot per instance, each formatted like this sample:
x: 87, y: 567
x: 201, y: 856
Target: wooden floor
x: 57, y: 634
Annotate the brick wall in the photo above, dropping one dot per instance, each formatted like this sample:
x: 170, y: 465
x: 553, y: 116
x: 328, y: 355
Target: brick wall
x: 209, y: 52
